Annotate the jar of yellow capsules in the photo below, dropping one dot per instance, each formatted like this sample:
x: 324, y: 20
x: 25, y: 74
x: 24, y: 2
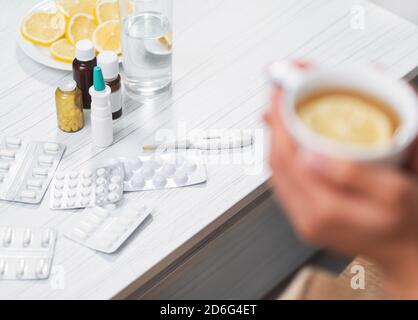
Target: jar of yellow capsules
x: 69, y: 105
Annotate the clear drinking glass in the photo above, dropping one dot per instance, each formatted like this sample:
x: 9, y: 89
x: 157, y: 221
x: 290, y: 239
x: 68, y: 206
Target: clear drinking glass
x: 146, y: 46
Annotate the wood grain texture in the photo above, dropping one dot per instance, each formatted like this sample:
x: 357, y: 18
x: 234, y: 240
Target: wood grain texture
x: 221, y: 50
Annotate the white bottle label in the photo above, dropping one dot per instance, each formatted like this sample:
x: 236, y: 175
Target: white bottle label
x: 116, y: 100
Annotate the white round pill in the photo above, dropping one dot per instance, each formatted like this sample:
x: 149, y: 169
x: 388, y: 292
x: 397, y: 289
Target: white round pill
x: 169, y: 169
x: 190, y: 167
x: 128, y: 173
x: 60, y: 176
x: 70, y: 203
x: 138, y: 181
x: 73, y: 175
x: 180, y: 178
x: 100, y: 190
x: 57, y: 204
x: 101, y: 172
x: 86, y: 183
x: 116, y: 179
x: 159, y: 181
x: 86, y: 192
x: 58, y: 194
x: 113, y: 197
x: 155, y: 162
x: 100, y: 181
x: 72, y: 193
x: 87, y: 174
x: 73, y: 184
x: 147, y: 172
x: 85, y: 201
x: 135, y: 164
x: 59, y: 185
x: 113, y: 187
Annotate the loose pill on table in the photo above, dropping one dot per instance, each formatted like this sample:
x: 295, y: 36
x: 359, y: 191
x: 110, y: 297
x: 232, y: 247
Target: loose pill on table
x: 46, y: 160
x: 34, y: 183
x: 8, y: 154
x: 28, y: 194
x: 51, y: 147
x: 42, y: 172
x: 13, y: 142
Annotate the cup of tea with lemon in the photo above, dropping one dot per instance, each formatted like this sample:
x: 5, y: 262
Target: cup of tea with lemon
x: 351, y: 112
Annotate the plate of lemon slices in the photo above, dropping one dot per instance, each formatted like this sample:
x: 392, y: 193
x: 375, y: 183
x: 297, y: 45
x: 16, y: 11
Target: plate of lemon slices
x: 49, y: 31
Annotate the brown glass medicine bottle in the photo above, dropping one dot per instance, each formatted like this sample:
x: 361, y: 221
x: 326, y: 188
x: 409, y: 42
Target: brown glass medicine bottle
x: 108, y: 61
x: 83, y: 66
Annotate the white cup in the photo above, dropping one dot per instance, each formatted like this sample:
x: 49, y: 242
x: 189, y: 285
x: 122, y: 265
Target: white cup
x: 301, y: 83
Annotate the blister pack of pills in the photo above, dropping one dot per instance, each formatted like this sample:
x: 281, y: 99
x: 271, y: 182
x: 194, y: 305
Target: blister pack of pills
x: 26, y: 168
x: 25, y: 253
x: 163, y: 171
x: 104, y: 229
x: 87, y: 188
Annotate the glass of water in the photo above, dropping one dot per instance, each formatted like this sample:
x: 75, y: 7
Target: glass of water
x: 146, y: 46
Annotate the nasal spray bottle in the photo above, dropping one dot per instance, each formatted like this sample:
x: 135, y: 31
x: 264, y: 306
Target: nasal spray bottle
x: 101, y: 111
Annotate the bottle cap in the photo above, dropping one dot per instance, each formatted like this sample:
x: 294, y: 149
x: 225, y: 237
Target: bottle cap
x: 98, y: 80
x: 109, y: 62
x: 84, y: 50
x: 67, y: 85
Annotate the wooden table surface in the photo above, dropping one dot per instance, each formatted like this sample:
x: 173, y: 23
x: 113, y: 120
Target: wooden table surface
x: 221, y: 50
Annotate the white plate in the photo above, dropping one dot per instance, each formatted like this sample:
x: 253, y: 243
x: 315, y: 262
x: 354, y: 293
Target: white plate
x: 39, y: 53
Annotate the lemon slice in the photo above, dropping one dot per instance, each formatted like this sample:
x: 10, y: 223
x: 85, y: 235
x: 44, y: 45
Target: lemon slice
x: 81, y: 27
x: 43, y: 28
x: 349, y: 120
x: 71, y: 7
x: 107, y: 10
x: 167, y: 40
x: 107, y: 37
x: 63, y: 50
